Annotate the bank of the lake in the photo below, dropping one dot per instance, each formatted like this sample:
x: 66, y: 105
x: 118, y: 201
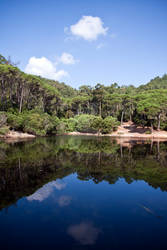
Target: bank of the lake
x: 17, y: 135
x: 127, y: 130
x: 130, y: 130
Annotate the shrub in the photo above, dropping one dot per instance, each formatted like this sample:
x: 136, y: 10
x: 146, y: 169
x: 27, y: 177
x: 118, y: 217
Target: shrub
x: 33, y: 122
x: 66, y: 125
x: 109, y: 124
x: 38, y: 124
x: 61, y: 127
x: 4, y: 130
x: 15, y: 121
x: 84, y: 123
x: 71, y: 124
x: 96, y: 123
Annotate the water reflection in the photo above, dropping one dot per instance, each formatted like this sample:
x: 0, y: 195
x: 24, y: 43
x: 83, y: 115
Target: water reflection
x: 64, y: 200
x: 27, y: 167
x: 85, y: 233
x: 83, y: 193
x: 150, y: 211
x: 44, y: 192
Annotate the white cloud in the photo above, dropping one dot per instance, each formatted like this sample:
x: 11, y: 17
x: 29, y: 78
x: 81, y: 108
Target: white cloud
x: 45, y: 68
x: 88, y: 28
x: 67, y: 58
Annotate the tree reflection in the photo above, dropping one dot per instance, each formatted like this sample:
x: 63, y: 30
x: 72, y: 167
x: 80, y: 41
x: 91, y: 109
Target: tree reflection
x: 27, y: 166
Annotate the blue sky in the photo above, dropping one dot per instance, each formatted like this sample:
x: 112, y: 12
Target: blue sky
x: 127, y: 43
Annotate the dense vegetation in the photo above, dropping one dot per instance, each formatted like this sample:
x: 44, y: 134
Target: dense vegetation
x: 40, y: 106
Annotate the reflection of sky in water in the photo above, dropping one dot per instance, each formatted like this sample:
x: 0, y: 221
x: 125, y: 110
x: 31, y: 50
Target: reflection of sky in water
x: 64, y: 200
x: 88, y: 216
x: 44, y: 192
x: 85, y: 233
x: 73, y: 212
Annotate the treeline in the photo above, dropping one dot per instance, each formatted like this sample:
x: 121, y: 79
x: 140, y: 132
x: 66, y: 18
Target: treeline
x: 28, y: 102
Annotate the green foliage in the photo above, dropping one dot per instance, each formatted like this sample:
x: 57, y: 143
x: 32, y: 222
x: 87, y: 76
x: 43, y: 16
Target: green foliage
x: 4, y: 130
x: 66, y: 125
x: 37, y: 124
x: 22, y: 93
x: 16, y: 121
x: 84, y: 124
x: 156, y: 83
x: 109, y: 124
x: 96, y: 123
x: 33, y: 122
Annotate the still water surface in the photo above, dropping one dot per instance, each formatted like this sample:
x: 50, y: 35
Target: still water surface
x: 70, y: 192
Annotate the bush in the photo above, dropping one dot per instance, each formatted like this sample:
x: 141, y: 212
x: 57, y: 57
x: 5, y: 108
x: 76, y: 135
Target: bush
x: 94, y: 124
x: 39, y: 124
x: 109, y: 124
x: 66, y: 125
x: 15, y: 121
x: 86, y: 123
x: 71, y: 124
x: 34, y: 123
x: 4, y: 130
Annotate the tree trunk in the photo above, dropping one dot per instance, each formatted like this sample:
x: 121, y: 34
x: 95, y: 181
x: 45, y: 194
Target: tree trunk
x: 159, y: 121
x: 130, y: 117
x: 152, y: 128
x: 100, y: 109
x: 99, y: 132
x: 122, y: 117
x: 21, y: 100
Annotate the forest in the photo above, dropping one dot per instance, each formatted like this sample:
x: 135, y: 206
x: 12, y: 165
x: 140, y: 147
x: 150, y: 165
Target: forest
x: 41, y: 106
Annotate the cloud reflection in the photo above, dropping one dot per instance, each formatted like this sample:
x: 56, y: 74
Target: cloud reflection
x: 64, y: 200
x: 44, y: 192
x: 85, y: 233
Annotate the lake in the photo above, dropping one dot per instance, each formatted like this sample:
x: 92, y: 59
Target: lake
x: 78, y: 192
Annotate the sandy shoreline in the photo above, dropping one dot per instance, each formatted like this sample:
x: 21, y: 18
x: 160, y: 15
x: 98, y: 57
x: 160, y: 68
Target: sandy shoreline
x: 131, y: 131
x: 17, y: 135
x: 127, y: 135
x: 127, y: 131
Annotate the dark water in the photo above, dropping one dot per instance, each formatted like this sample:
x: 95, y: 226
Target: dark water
x: 83, y: 193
